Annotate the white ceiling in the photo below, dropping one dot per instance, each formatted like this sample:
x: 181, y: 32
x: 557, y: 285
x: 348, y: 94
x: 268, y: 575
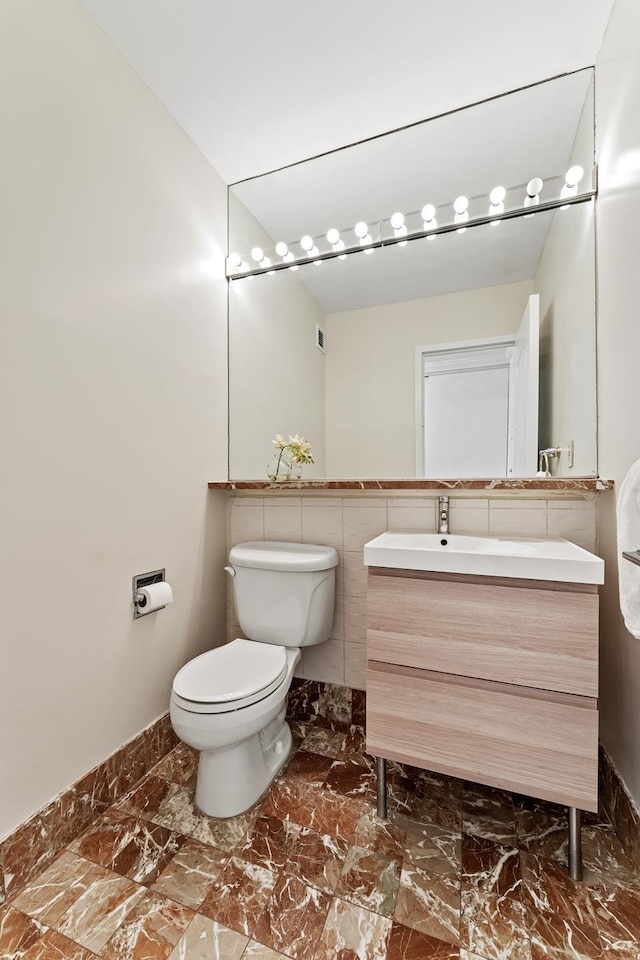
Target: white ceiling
x: 258, y: 85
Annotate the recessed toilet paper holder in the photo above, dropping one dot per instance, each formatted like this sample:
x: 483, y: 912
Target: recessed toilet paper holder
x: 633, y: 555
x: 139, y: 600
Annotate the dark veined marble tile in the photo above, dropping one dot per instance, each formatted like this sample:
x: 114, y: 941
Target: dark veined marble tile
x: 553, y: 937
x: 307, y: 768
x: 321, y: 810
x: 604, y: 855
x: 191, y: 873
x: 407, y: 944
x: 293, y: 918
x: 302, y: 699
x: 548, y: 888
x: 178, y: 812
x: 269, y: 842
x: 488, y: 813
x: 433, y: 848
x: 49, y: 895
x: 334, y: 707
x: 617, y: 915
x: 150, y: 931
x: 204, y: 939
x: 323, y: 741
x: 353, y: 933
x: 317, y: 860
x: 18, y: 933
x: 179, y: 766
x: 98, y: 911
x: 382, y: 836
x: 354, y: 745
x: 145, y: 799
x: 240, y: 896
x: 358, y: 708
x: 542, y: 831
x: 352, y: 778
x: 429, y: 903
x: 494, y: 925
x: 491, y: 867
x: 370, y: 880
x: 54, y: 946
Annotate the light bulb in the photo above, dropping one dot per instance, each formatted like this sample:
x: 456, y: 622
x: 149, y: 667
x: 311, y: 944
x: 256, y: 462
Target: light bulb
x: 265, y: 262
x: 235, y: 260
x: 573, y: 176
x: 288, y: 257
x: 307, y: 242
x: 294, y: 268
x: 534, y: 187
x: 397, y: 221
x: 257, y: 255
x: 460, y: 205
x: 313, y: 252
x: 339, y: 246
x: 497, y: 196
x: 333, y: 236
x: 281, y: 249
x: 428, y: 212
x: 401, y: 231
x: 369, y: 249
x: 361, y: 229
x: 364, y: 241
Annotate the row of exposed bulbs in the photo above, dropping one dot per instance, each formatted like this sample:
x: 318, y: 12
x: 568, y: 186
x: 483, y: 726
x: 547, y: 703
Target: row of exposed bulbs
x: 428, y: 213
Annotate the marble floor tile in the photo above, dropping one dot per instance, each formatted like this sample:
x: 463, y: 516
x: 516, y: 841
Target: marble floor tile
x: 354, y: 743
x: 53, y: 946
x: 133, y: 848
x: 323, y: 741
x: 178, y: 813
x: 352, y: 933
x: 543, y: 833
x: 433, y: 848
x: 258, y: 951
x: 491, y: 868
x: 179, y: 766
x: 192, y: 873
x: 407, y: 944
x: 98, y: 912
x: 321, y: 810
x: 144, y: 800
x: 553, y: 937
x: 429, y: 903
x: 317, y: 860
x: 547, y: 887
x: 205, y: 939
x: 269, y: 842
x: 494, y: 925
x: 370, y: 880
x: 293, y: 918
x: 382, y: 836
x: 18, y: 933
x: 352, y: 778
x: 307, y: 768
x: 489, y: 813
x: 54, y: 891
x: 240, y: 896
x: 604, y: 855
x: 151, y: 930
x: 617, y: 915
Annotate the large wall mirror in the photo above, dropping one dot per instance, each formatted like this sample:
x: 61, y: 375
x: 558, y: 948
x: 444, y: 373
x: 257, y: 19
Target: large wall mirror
x: 450, y: 340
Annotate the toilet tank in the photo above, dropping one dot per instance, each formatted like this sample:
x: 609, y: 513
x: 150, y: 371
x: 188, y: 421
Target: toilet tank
x: 284, y: 592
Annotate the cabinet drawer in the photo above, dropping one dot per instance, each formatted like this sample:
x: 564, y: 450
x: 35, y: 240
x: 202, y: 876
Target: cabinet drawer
x: 512, y: 631
x: 541, y: 744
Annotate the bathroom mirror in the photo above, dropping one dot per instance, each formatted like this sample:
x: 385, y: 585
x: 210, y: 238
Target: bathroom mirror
x: 456, y: 354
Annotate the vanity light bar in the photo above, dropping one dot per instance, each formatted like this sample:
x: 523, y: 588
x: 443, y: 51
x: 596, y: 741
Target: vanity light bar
x: 431, y: 221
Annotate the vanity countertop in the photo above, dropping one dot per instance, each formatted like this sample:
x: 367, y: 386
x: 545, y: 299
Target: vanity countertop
x: 592, y: 484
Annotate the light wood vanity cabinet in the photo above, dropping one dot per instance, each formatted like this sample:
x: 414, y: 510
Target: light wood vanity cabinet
x: 488, y: 679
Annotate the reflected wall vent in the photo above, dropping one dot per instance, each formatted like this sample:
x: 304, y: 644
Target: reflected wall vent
x: 320, y: 339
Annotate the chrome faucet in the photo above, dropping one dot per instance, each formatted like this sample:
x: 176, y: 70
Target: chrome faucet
x: 443, y: 526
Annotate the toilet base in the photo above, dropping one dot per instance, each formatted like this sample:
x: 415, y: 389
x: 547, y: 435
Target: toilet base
x: 232, y: 779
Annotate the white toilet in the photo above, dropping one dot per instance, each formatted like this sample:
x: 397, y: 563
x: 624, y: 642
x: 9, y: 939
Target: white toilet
x: 229, y: 703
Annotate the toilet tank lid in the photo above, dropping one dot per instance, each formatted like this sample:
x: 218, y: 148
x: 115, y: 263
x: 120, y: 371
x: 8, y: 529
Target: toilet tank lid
x: 276, y: 555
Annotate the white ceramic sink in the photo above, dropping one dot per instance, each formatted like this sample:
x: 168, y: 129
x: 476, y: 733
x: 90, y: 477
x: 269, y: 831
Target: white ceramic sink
x: 525, y: 558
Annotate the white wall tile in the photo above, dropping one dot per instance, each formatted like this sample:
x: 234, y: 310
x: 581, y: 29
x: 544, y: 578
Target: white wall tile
x: 527, y: 518
x: 355, y: 619
x: 362, y: 522
x: 283, y: 519
x: 574, y: 520
x: 412, y: 514
x: 322, y: 521
x: 324, y: 661
x: 355, y: 574
x: 247, y: 520
x: 469, y: 516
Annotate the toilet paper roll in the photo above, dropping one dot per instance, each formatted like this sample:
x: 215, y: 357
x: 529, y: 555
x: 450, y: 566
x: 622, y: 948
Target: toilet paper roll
x: 154, y: 596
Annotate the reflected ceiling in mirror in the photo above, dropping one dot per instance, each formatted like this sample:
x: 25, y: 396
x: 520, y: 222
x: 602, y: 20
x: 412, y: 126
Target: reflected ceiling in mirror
x: 376, y: 310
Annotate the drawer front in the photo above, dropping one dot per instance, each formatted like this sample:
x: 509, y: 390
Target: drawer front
x: 545, y: 638
x: 542, y: 745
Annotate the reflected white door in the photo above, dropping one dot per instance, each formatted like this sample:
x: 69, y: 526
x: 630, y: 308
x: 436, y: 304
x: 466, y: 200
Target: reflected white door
x: 466, y: 418
x: 523, y: 394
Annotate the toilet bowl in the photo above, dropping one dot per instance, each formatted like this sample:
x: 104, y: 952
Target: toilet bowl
x: 230, y: 702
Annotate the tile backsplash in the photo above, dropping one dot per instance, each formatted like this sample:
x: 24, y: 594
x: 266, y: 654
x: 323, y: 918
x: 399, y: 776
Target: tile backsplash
x: 348, y: 522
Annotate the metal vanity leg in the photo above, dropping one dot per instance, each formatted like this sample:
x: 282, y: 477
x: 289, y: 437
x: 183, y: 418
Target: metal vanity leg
x: 575, y: 844
x: 382, y: 787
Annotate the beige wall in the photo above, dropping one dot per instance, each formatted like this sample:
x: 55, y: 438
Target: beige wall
x: 618, y: 136
x: 276, y: 373
x: 565, y: 281
x: 112, y: 399
x: 347, y: 522
x: 370, y: 376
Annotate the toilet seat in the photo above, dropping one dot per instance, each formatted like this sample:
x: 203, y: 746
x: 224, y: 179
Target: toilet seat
x: 230, y: 677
